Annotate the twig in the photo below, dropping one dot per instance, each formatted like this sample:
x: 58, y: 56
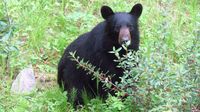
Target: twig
x: 102, y: 76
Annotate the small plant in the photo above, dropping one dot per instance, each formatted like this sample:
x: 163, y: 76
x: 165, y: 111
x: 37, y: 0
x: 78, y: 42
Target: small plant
x: 6, y: 34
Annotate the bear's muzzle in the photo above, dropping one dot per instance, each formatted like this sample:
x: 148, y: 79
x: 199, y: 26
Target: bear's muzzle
x: 124, y: 36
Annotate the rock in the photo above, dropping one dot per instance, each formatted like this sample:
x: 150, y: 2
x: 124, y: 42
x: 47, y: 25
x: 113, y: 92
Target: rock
x: 24, y: 82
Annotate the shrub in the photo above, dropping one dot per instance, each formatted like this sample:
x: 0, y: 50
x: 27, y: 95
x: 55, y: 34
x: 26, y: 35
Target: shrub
x: 156, y: 80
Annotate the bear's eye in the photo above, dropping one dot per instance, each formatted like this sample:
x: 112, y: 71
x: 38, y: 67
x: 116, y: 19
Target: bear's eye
x: 117, y: 28
x: 130, y: 26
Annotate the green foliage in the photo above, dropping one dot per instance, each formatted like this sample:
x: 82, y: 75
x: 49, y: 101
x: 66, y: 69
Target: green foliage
x: 52, y: 100
x: 38, y: 31
x: 154, y: 83
x: 158, y: 83
x: 112, y: 104
x: 7, y: 48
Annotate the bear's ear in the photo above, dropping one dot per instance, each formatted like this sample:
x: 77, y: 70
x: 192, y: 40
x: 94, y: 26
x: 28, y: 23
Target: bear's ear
x: 136, y: 10
x: 106, y: 12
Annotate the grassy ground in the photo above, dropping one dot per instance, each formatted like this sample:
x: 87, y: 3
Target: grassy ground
x: 43, y: 28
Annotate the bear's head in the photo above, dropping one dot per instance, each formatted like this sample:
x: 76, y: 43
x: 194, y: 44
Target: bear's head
x: 122, y: 27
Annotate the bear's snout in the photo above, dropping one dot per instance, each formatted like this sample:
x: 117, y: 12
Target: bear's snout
x: 124, y: 36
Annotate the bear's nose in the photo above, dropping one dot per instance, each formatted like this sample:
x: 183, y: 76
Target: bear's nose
x: 124, y: 36
x: 125, y: 41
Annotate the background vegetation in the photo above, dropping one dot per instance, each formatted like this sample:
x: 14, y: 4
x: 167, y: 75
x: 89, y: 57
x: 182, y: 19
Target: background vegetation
x: 36, y: 32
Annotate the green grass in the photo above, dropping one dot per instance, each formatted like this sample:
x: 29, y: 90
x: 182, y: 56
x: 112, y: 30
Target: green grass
x: 43, y: 28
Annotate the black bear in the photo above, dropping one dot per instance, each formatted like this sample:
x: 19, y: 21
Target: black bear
x: 116, y: 29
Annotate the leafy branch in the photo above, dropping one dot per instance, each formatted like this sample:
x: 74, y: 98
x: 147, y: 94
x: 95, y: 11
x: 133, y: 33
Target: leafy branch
x: 96, y: 73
